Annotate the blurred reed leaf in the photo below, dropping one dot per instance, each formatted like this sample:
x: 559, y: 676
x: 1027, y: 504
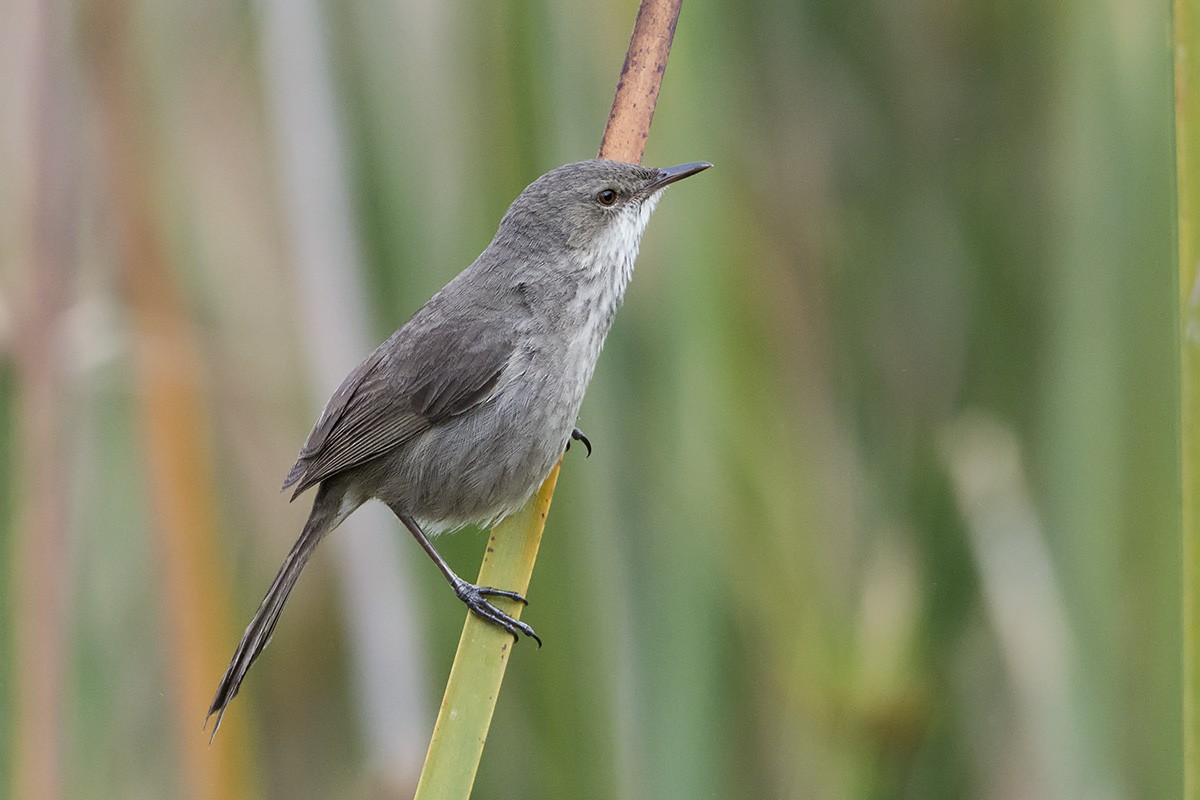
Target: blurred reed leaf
x: 1187, y: 186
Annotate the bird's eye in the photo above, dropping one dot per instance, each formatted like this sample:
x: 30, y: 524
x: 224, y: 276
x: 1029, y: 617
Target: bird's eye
x: 606, y: 197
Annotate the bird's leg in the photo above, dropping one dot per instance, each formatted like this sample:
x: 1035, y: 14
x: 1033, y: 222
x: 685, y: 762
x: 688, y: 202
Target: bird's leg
x: 578, y: 436
x: 474, y: 596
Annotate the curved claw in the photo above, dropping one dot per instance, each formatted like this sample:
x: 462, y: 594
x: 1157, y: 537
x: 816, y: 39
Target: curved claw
x: 578, y: 436
x: 475, y: 598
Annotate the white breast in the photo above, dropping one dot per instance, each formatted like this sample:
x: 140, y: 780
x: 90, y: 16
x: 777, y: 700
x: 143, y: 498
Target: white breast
x: 611, y: 266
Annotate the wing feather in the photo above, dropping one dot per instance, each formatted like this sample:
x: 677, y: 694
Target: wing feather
x: 419, y: 378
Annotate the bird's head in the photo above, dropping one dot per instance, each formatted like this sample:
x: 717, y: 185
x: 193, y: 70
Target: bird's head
x: 597, y: 207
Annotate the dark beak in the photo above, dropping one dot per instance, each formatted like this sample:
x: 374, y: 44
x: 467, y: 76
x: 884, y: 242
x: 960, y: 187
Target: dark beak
x: 668, y: 175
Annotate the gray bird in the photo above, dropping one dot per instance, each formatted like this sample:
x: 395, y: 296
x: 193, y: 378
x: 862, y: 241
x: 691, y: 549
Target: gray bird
x: 461, y: 414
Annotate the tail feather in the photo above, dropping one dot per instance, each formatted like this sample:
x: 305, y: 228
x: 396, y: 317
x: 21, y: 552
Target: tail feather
x: 324, y: 517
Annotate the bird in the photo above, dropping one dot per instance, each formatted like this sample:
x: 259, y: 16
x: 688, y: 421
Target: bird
x: 458, y: 417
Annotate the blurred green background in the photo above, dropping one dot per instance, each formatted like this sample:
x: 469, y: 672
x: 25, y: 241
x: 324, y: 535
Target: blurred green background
x: 883, y: 502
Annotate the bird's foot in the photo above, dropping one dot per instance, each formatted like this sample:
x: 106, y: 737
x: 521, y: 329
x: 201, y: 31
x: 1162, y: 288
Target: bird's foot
x: 578, y: 436
x: 475, y: 598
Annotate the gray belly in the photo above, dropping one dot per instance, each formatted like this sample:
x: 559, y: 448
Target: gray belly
x: 486, y: 463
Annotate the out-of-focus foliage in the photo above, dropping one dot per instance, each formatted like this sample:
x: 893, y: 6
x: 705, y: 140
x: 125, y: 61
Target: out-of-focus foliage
x: 884, y: 494
x: 1186, y: 36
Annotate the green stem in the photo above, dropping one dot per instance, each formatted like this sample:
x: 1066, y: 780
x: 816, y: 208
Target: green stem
x: 483, y: 650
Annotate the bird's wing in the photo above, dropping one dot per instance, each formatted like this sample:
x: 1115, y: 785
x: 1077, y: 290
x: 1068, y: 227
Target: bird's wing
x: 419, y: 378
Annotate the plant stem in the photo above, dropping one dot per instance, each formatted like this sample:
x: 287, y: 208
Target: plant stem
x: 483, y: 650
x: 641, y: 77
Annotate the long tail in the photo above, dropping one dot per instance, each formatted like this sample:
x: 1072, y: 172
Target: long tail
x: 326, y: 514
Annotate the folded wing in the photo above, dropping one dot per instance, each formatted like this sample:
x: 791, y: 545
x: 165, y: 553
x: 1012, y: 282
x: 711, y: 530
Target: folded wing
x: 421, y: 377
